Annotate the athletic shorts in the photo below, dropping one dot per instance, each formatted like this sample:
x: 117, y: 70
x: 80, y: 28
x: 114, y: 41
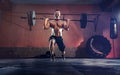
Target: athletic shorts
x: 59, y: 41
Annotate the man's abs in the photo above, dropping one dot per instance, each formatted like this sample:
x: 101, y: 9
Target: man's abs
x: 57, y: 32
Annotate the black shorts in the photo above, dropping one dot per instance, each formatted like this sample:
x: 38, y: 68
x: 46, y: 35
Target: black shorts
x: 59, y: 41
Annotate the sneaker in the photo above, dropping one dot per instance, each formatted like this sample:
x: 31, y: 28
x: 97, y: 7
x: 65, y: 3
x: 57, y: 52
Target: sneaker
x: 63, y: 57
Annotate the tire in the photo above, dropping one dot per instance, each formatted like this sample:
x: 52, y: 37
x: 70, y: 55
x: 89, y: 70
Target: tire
x: 98, y: 46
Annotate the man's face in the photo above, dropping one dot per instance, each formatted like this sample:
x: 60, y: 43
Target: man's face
x: 57, y: 14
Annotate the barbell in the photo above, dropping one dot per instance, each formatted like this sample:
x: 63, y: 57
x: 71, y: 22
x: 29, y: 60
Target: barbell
x: 31, y: 18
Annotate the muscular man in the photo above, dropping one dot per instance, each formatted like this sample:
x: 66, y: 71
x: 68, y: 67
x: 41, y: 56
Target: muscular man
x: 57, y: 27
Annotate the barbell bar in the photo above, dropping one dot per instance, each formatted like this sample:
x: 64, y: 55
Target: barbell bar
x: 31, y: 18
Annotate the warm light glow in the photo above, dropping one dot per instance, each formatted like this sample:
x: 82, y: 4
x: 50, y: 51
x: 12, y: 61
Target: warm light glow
x: 79, y: 42
x: 111, y: 55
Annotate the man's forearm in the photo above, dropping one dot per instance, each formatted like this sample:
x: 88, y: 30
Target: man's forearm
x: 46, y: 24
x: 68, y: 22
x: 66, y: 26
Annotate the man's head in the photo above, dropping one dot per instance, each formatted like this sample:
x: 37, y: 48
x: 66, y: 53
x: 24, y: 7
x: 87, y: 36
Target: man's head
x: 57, y: 14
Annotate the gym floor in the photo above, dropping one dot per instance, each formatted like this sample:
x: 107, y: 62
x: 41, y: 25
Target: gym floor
x: 60, y: 67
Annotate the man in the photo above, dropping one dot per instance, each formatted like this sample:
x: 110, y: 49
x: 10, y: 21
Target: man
x: 57, y: 27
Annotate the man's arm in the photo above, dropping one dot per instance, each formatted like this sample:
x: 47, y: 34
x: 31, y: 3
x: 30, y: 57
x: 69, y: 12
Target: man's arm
x: 46, y: 24
x: 66, y: 24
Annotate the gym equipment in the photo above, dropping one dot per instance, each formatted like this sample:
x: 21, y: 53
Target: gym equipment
x: 83, y: 20
x: 113, y: 28
x: 98, y: 46
x: 31, y: 16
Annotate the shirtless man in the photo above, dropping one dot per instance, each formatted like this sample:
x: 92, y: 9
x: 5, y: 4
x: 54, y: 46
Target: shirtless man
x: 57, y: 27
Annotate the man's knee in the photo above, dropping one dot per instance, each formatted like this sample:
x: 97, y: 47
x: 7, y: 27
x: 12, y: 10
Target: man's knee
x: 52, y: 43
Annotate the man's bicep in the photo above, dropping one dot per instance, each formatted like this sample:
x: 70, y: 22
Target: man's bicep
x: 46, y: 25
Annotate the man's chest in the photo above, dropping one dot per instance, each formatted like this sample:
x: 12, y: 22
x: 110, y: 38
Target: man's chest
x: 55, y: 24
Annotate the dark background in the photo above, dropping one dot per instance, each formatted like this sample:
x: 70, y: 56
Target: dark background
x: 16, y: 41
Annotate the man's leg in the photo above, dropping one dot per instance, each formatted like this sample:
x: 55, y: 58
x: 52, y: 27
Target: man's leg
x: 61, y: 46
x: 63, y: 55
x: 51, y: 48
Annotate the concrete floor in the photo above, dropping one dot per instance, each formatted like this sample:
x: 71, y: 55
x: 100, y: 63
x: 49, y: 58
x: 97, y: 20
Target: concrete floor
x: 60, y: 67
